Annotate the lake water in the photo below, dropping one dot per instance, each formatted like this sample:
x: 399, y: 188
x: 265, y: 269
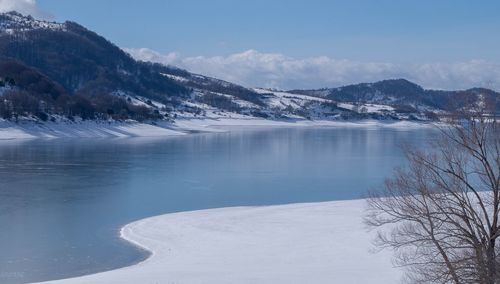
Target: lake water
x: 62, y: 202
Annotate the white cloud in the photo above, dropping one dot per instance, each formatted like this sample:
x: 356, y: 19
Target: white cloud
x: 25, y: 7
x: 253, y: 68
x: 146, y: 54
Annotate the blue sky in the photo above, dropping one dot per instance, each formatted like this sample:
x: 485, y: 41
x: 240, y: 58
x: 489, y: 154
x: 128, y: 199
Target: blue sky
x: 387, y: 30
x: 248, y: 41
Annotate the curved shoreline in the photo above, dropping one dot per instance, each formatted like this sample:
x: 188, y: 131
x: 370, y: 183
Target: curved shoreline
x: 103, y: 129
x: 311, y: 242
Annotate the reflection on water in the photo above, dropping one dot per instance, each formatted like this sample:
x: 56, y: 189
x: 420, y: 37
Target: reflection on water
x: 62, y: 202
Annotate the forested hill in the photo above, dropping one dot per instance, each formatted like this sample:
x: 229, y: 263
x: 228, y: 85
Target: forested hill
x: 405, y: 93
x: 60, y: 71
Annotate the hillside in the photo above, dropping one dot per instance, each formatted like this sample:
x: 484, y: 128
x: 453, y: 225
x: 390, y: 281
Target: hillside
x: 403, y: 94
x: 65, y: 72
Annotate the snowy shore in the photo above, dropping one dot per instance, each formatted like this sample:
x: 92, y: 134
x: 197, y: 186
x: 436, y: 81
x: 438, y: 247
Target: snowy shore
x: 104, y: 129
x: 83, y: 129
x: 297, y: 243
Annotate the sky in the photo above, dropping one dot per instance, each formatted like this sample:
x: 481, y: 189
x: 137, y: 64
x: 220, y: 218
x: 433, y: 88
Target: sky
x: 445, y: 44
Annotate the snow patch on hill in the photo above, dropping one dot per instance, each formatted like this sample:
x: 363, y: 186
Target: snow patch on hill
x: 12, y: 23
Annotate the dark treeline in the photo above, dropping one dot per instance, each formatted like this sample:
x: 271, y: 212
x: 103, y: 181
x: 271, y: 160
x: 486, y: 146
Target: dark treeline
x: 28, y: 92
x: 79, y: 59
x: 74, y: 72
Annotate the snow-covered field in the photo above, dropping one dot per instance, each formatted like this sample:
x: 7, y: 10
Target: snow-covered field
x: 102, y: 129
x: 298, y: 243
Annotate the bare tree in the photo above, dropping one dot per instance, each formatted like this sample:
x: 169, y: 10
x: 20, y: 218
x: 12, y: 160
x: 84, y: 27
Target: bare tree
x: 440, y: 214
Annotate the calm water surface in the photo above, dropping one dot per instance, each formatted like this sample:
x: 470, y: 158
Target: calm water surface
x: 62, y: 202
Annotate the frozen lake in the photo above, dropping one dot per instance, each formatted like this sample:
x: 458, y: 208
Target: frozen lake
x: 62, y: 202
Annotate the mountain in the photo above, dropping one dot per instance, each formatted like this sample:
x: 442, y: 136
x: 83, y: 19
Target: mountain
x: 62, y: 71
x: 78, y: 59
x: 86, y: 64
x: 402, y: 93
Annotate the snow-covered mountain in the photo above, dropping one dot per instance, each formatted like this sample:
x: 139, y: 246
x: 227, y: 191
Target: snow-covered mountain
x: 64, y: 71
x: 405, y: 95
x: 14, y: 23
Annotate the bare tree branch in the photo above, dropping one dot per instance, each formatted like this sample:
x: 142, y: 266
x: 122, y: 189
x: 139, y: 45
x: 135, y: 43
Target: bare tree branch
x: 440, y: 215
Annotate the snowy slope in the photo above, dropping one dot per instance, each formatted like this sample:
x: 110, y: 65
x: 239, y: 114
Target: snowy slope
x: 82, y: 129
x: 299, y: 243
x: 222, y: 122
x: 13, y: 23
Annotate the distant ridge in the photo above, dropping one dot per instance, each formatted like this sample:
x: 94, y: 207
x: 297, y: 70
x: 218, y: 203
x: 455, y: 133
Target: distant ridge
x: 405, y: 93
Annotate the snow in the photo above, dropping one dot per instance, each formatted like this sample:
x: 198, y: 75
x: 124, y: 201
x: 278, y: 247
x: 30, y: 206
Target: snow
x: 291, y: 95
x: 108, y: 129
x: 83, y: 129
x: 367, y: 108
x: 298, y: 243
x: 14, y: 22
x: 377, y: 108
x: 236, y: 100
x: 175, y: 78
x: 282, y: 100
x: 139, y: 101
x: 246, y: 121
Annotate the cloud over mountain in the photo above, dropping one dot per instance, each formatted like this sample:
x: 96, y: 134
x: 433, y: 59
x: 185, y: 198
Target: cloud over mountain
x: 254, y: 68
x: 26, y: 7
